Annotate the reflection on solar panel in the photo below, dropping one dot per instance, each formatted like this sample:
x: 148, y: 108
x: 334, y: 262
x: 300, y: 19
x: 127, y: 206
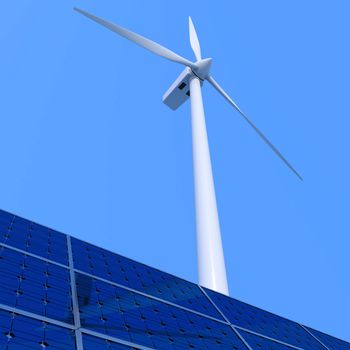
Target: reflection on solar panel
x: 59, y: 292
x: 130, y: 316
x: 129, y: 273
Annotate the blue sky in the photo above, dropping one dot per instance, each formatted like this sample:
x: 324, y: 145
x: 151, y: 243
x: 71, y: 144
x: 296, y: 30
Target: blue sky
x: 88, y: 148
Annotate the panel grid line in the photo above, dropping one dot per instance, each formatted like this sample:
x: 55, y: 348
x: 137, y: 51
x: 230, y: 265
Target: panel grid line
x: 79, y: 340
x: 223, y: 315
x: 76, y: 314
x: 314, y: 336
x: 266, y: 337
x: 241, y: 337
x: 216, y: 307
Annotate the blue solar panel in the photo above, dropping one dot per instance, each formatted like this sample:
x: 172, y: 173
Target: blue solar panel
x: 332, y: 343
x: 93, y: 343
x: 260, y: 343
x: 263, y: 322
x: 139, y: 319
x: 35, y: 285
x: 33, y: 238
x: 116, y: 268
x: 155, y: 315
x: 22, y: 333
x: 5, y: 220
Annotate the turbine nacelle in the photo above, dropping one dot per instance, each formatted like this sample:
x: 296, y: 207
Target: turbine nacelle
x: 179, y: 91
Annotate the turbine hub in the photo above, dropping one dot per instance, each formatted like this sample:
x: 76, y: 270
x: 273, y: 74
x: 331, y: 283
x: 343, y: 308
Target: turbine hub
x: 202, y: 68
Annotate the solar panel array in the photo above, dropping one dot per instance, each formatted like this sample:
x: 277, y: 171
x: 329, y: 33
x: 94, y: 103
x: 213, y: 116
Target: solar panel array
x: 61, y: 293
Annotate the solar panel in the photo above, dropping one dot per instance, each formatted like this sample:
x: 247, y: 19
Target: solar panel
x: 59, y: 292
x: 116, y: 268
x: 22, y: 333
x: 258, y: 342
x: 331, y: 343
x: 93, y: 343
x: 127, y: 315
x: 33, y: 238
x: 263, y: 322
x: 35, y: 285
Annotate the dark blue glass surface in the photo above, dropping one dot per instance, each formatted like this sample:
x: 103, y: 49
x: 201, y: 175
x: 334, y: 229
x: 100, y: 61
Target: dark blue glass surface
x: 35, y: 285
x: 261, y: 343
x: 24, y: 333
x: 116, y: 268
x: 33, y: 238
x: 93, y: 343
x: 5, y: 220
x: 332, y: 343
x: 263, y: 322
x: 43, y: 288
x: 142, y: 320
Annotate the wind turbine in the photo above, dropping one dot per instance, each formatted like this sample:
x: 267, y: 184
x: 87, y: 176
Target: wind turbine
x: 211, y: 264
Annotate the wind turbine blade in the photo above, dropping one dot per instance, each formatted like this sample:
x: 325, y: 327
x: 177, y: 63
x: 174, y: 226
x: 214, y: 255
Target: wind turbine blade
x: 227, y: 97
x: 194, y: 40
x: 139, y: 40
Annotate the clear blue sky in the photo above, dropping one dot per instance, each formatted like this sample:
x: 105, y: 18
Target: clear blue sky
x: 88, y: 148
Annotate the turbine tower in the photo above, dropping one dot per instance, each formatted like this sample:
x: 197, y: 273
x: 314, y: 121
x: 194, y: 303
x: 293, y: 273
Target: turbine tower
x: 211, y: 264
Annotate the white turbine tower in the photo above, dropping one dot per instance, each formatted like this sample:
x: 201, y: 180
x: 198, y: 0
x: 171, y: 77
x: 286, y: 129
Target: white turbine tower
x: 211, y: 264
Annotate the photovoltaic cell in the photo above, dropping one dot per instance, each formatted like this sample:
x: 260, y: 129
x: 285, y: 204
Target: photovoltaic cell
x: 24, y: 333
x: 332, y: 343
x: 43, y: 289
x: 263, y: 322
x: 35, y: 285
x: 259, y: 343
x: 33, y: 238
x: 94, y: 343
x: 121, y: 270
x: 142, y: 320
x: 5, y: 220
